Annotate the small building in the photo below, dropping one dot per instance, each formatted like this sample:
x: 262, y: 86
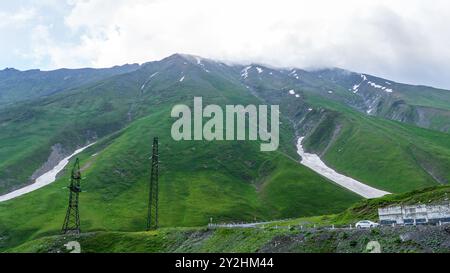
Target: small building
x: 391, y: 215
x: 415, y: 214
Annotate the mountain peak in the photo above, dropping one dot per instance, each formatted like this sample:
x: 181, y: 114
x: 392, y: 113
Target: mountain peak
x: 180, y: 56
x: 10, y: 69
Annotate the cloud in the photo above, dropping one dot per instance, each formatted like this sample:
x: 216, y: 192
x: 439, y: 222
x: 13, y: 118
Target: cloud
x: 17, y: 19
x: 405, y: 40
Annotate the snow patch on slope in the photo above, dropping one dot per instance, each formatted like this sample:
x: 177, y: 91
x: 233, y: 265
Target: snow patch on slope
x: 148, y: 80
x: 199, y: 60
x: 356, y: 86
x: 316, y: 164
x: 43, y: 180
x: 292, y: 92
x: 294, y: 74
x: 201, y: 64
x: 374, y: 85
x: 244, y: 72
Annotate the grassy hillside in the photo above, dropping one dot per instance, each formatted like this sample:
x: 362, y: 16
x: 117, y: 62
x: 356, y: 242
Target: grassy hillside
x: 368, y: 209
x: 399, y: 240
x: 389, y: 155
x: 422, y: 106
x: 71, y: 119
x: 225, y: 180
x: 19, y: 86
x: 280, y: 236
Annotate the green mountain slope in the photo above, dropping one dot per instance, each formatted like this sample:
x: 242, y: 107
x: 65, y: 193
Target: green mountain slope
x: 385, y: 154
x: 193, y: 187
x: 389, y: 155
x: 279, y: 236
x: 228, y: 181
x: 422, y: 106
x: 18, y: 86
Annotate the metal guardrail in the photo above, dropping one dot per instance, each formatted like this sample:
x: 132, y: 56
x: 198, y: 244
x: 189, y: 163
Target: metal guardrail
x: 264, y: 225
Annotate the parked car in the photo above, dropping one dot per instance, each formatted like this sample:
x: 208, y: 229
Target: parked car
x: 366, y: 224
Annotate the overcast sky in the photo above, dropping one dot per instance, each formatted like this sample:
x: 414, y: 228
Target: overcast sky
x: 403, y: 40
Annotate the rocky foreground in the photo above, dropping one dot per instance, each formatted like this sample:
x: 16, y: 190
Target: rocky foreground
x: 422, y: 239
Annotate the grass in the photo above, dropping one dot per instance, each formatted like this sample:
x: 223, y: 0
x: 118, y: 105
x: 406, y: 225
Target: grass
x: 195, y: 185
x: 160, y: 241
x: 368, y: 209
x: 225, y: 180
x: 384, y: 154
x: 388, y: 155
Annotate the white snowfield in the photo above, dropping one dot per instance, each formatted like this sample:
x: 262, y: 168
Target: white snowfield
x: 43, y: 180
x: 316, y: 164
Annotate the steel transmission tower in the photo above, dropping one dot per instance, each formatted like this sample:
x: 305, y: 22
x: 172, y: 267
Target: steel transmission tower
x: 72, y: 221
x: 152, y: 219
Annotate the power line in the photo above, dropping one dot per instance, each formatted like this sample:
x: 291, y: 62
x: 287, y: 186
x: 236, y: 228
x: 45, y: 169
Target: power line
x: 72, y: 221
x: 152, y: 220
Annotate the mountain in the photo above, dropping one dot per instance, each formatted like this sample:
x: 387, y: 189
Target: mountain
x: 389, y: 155
x: 17, y: 86
x: 422, y: 106
x: 223, y: 180
x: 229, y: 181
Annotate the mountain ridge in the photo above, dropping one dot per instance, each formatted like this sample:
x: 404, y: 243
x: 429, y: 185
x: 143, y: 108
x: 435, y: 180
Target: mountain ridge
x: 224, y: 180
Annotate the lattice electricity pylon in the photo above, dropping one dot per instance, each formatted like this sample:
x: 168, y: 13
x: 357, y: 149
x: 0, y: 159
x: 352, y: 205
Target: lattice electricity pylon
x: 152, y: 219
x: 72, y: 221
